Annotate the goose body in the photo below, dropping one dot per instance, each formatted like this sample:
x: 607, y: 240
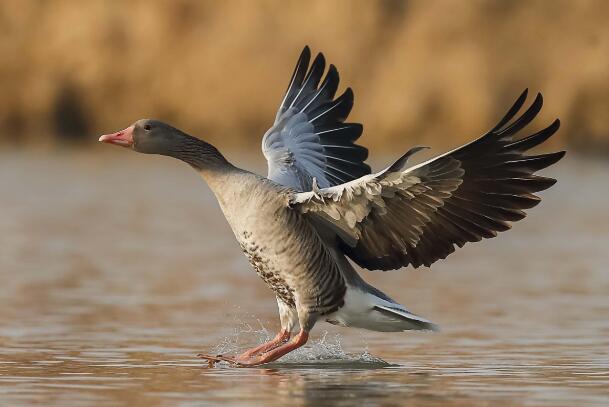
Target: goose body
x: 309, y: 278
x: 321, y: 205
x: 280, y: 244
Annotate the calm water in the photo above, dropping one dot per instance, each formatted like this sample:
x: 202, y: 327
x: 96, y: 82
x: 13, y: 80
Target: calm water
x: 116, y: 269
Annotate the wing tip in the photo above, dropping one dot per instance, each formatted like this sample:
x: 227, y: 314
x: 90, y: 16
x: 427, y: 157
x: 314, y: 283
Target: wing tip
x: 538, y: 100
x: 348, y: 93
x: 506, y: 129
x: 516, y: 106
x: 305, y: 57
x: 543, y: 183
x: 553, y: 158
x: 559, y: 155
x: 306, y: 49
x: 332, y: 70
x: 321, y: 58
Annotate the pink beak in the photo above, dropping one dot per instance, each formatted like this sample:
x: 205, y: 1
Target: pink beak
x: 123, y: 138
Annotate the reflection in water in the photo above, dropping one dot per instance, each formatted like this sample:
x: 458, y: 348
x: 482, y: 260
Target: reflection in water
x: 116, y: 270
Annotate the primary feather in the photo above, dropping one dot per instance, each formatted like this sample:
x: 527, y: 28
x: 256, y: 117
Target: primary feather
x: 418, y: 215
x: 309, y: 138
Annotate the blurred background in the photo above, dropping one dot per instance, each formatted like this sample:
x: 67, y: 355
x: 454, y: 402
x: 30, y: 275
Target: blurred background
x: 117, y: 268
x: 434, y: 72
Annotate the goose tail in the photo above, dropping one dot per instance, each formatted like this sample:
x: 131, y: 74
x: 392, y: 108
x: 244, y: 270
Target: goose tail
x: 368, y: 308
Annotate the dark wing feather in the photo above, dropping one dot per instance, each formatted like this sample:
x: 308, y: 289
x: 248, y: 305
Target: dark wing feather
x: 416, y: 216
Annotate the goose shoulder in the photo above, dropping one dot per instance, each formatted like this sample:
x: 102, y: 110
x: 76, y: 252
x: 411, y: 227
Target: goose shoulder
x: 242, y: 193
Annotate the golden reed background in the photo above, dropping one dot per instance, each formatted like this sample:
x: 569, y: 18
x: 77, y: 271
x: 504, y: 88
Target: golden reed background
x: 430, y: 72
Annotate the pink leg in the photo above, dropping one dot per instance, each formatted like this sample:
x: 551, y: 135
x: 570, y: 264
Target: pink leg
x: 276, y: 353
x: 282, y: 337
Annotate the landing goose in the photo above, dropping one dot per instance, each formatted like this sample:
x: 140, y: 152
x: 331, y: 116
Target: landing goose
x: 320, y: 205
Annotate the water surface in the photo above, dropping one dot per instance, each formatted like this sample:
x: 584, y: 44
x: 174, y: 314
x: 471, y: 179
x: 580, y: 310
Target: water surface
x: 117, y: 269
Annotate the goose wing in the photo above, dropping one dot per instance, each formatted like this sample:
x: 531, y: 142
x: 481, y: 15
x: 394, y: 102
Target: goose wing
x: 310, y: 138
x: 417, y: 215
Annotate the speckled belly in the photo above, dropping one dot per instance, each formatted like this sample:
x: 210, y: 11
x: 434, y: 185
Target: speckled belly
x: 264, y: 268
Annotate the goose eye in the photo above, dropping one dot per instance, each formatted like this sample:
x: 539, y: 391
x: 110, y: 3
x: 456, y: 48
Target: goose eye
x: 147, y: 127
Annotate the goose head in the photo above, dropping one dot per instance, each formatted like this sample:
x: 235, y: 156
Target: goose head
x: 146, y: 136
x: 151, y: 136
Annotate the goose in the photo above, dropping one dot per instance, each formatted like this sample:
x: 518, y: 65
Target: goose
x: 320, y: 209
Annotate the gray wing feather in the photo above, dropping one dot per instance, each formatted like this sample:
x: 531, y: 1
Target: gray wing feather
x: 418, y: 215
x: 309, y: 138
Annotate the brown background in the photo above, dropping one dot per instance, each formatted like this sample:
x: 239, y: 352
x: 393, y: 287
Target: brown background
x: 431, y: 72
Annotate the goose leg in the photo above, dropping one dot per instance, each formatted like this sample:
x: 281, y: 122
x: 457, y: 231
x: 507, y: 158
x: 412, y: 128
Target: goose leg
x: 275, y: 353
x: 282, y: 337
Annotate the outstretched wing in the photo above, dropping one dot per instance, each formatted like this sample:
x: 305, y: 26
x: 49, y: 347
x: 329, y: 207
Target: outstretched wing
x: 416, y: 216
x: 309, y: 138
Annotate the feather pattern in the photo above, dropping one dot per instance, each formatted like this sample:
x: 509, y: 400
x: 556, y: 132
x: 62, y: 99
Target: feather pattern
x: 309, y: 138
x: 416, y: 216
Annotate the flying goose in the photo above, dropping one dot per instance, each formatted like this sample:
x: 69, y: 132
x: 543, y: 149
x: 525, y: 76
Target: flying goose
x: 320, y: 205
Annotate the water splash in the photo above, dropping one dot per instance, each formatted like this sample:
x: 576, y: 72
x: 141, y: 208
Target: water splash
x: 324, y: 351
